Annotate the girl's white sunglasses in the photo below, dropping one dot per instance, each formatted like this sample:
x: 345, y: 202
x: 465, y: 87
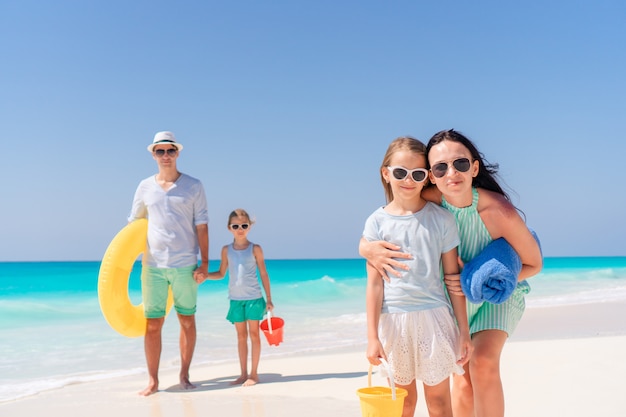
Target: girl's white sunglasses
x: 417, y: 174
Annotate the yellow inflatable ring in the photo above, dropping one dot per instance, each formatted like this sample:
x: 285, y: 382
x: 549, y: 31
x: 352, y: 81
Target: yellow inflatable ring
x: 121, y: 314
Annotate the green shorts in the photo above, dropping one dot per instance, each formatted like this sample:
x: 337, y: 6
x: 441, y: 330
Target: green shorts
x: 243, y: 310
x: 154, y: 288
x: 505, y: 316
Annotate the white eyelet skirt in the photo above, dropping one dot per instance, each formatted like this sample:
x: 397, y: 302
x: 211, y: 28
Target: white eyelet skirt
x: 421, y: 345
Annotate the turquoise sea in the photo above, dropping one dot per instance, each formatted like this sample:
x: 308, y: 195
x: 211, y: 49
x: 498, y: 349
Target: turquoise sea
x: 52, y: 332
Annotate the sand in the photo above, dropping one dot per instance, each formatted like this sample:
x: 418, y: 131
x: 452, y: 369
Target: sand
x: 562, y: 361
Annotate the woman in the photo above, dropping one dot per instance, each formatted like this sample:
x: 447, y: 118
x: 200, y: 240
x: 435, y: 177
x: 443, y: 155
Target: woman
x: 466, y: 186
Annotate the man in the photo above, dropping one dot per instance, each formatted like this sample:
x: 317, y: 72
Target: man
x: 176, y: 208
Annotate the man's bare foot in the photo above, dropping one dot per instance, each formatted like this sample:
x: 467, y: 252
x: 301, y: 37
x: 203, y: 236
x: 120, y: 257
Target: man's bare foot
x: 185, y: 384
x: 251, y: 381
x: 240, y: 380
x: 150, y: 389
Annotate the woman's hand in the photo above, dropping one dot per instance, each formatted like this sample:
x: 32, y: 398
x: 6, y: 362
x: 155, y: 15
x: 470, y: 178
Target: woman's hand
x: 453, y: 284
x: 453, y: 281
x: 383, y: 257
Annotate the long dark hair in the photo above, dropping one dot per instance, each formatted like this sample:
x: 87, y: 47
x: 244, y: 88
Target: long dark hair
x: 487, y: 172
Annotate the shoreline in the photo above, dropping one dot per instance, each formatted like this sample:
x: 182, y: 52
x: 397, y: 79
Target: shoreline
x: 561, y: 359
x: 571, y: 321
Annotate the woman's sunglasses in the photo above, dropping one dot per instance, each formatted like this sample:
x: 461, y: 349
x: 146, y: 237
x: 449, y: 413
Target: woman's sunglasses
x: 161, y: 152
x: 244, y: 226
x: 399, y: 173
x: 441, y: 169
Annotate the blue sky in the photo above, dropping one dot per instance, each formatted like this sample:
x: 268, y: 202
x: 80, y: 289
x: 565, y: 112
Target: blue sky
x: 285, y: 108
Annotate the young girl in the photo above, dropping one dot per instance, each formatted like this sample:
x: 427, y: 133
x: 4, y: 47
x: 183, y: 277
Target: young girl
x: 411, y: 320
x: 243, y: 259
x: 466, y: 186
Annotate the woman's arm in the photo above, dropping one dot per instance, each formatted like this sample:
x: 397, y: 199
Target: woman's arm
x: 431, y: 193
x: 503, y: 220
x: 382, y: 255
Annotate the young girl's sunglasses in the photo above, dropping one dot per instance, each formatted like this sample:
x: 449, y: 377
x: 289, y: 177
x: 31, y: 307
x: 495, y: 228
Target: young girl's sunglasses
x: 399, y: 173
x: 170, y: 152
x: 441, y: 169
x: 244, y: 226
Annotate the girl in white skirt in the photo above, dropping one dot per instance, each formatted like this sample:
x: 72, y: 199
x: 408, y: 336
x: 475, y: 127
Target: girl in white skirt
x: 412, y: 322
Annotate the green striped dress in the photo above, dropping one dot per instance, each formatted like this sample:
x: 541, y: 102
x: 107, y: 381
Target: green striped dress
x: 474, y: 237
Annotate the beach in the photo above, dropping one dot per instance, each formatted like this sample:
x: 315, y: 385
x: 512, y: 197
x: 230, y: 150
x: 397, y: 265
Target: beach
x: 562, y: 360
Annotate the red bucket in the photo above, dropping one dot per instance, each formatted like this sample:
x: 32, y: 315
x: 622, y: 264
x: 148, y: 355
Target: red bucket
x: 273, y: 329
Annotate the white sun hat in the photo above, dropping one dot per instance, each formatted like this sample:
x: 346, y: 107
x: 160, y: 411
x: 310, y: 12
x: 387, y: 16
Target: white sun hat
x: 164, y: 138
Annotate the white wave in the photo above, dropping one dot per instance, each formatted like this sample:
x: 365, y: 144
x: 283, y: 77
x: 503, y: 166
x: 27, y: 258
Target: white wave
x: 581, y: 297
x: 15, y: 391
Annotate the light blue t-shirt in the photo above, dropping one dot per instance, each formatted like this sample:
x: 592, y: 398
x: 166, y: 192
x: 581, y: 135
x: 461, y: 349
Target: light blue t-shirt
x: 243, y: 283
x: 172, y: 219
x: 426, y: 235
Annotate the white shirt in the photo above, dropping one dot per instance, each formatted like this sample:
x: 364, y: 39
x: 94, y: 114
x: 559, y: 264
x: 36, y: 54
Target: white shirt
x: 172, y: 219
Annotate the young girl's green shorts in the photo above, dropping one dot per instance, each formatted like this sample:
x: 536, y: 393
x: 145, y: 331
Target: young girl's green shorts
x: 243, y: 310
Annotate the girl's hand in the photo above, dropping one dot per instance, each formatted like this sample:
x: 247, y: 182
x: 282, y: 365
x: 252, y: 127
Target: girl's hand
x: 199, y: 276
x: 382, y: 256
x: 375, y: 352
x: 270, y: 306
x: 466, y: 349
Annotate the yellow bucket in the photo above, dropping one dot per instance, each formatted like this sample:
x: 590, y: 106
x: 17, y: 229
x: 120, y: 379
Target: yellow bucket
x: 381, y: 401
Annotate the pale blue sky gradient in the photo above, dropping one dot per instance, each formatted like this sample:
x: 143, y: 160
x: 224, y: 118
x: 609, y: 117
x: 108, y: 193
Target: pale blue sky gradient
x: 285, y: 108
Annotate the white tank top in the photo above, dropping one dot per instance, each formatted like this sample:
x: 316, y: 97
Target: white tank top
x: 243, y: 282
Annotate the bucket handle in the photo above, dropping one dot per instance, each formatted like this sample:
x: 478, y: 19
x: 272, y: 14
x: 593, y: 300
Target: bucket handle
x: 269, y: 321
x: 387, y: 367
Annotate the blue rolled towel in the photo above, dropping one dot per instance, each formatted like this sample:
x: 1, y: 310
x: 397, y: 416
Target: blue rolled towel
x: 492, y: 274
